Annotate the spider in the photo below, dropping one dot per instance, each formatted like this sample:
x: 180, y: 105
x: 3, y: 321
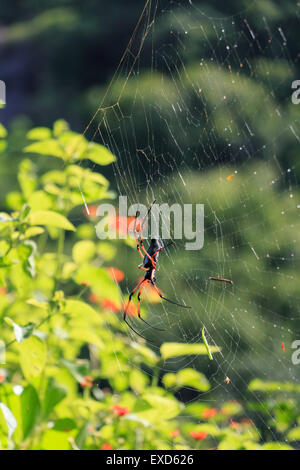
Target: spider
x: 150, y: 258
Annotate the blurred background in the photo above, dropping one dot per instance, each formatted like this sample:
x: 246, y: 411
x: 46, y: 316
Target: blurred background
x: 197, y: 110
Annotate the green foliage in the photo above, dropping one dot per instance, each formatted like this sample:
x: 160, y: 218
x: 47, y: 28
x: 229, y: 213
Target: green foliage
x: 73, y: 378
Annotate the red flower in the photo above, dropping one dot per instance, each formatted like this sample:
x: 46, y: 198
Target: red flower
x: 91, y: 212
x: 174, y: 433
x: 119, y: 410
x: 106, y: 446
x: 108, y: 304
x: 209, y: 412
x: 116, y: 274
x: 198, y: 435
x: 93, y: 298
x: 87, y: 381
x: 283, y: 347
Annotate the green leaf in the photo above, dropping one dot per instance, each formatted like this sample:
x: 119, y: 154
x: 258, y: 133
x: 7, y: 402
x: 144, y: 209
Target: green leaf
x: 3, y: 131
x: 32, y: 357
x: 46, y: 147
x: 155, y: 408
x: 30, y: 409
x: 276, y: 446
x: 168, y: 350
x: 9, y: 419
x: 59, y: 127
x: 187, y: 377
x: 3, y: 145
x: 64, y: 424
x: 78, y: 308
x: 21, y: 332
x: 99, y: 154
x: 269, y: 386
x: 78, y: 371
x: 137, y: 380
x: 83, y: 251
x: 81, y: 436
x: 55, y: 440
x: 53, y: 395
x: 39, y: 133
x: 50, y: 218
x: 206, y: 344
x: 100, y: 281
x: 294, y: 434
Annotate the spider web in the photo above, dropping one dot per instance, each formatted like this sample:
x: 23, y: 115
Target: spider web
x: 199, y: 111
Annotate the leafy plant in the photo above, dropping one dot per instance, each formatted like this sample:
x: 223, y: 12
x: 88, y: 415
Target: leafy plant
x: 73, y: 379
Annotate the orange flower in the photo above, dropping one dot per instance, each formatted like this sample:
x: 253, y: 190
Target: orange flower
x: 230, y: 177
x: 93, y: 298
x: 106, y: 446
x: 198, y: 435
x: 91, y: 212
x: 116, y: 274
x: 2, y: 378
x: 283, y: 347
x: 84, y: 284
x: 108, y: 304
x: 87, y: 381
x: 3, y: 290
x: 209, y: 412
x: 119, y: 410
x: 174, y: 433
x: 131, y: 309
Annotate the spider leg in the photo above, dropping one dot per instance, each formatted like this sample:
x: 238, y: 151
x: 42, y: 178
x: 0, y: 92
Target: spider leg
x: 139, y: 311
x: 130, y: 296
x: 168, y: 300
x: 142, y: 267
x: 126, y: 308
x: 147, y: 254
x: 140, y: 229
x: 139, y: 334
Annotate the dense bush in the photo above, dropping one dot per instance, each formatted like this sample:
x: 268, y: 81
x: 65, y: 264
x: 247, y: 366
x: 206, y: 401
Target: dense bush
x: 73, y: 376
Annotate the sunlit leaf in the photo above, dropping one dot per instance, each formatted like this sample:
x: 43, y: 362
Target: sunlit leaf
x: 49, y: 147
x: 183, y: 349
x: 53, y: 395
x: 188, y: 378
x: 99, y: 154
x: 39, y: 133
x: 50, y: 218
x: 83, y: 251
x: 32, y: 357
